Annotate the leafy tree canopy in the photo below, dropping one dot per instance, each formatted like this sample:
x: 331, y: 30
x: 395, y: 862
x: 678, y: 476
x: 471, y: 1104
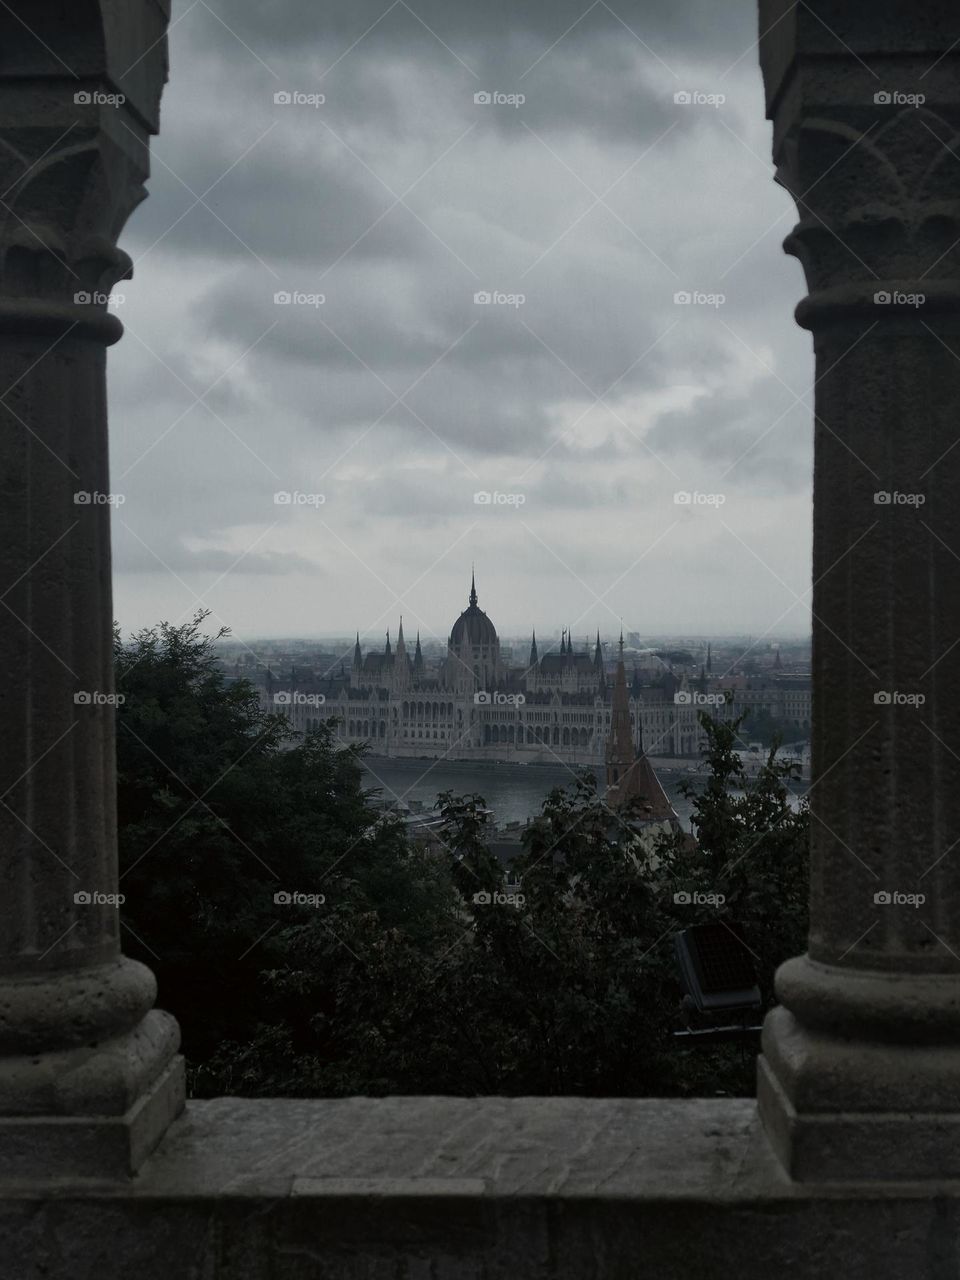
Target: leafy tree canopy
x: 407, y: 969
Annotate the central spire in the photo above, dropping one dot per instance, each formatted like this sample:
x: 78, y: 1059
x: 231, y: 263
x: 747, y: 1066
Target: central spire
x: 473, y: 587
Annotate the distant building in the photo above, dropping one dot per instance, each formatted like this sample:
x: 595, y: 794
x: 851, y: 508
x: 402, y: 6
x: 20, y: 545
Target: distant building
x: 631, y: 780
x: 473, y: 705
x: 788, y: 699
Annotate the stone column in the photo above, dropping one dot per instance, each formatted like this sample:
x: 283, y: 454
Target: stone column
x: 860, y: 1073
x: 89, y: 1075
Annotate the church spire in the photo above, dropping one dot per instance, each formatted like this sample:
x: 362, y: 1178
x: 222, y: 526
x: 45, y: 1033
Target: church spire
x: 401, y: 647
x: 418, y: 656
x: 598, y: 654
x: 534, y: 656
x: 630, y: 776
x: 621, y: 751
x: 473, y: 587
x: 357, y: 655
x: 387, y: 651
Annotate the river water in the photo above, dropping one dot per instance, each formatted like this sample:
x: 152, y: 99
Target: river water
x: 514, y: 792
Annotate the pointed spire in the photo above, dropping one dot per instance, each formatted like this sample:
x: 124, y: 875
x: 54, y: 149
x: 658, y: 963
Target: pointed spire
x: 534, y: 656
x: 620, y: 748
x: 630, y: 776
x: 418, y: 656
x: 598, y: 654
x: 357, y: 655
x: 401, y: 647
x: 387, y: 651
x: 473, y: 587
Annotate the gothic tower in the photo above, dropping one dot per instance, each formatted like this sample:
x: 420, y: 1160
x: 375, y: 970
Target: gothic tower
x: 621, y: 752
x: 402, y: 675
x: 630, y: 775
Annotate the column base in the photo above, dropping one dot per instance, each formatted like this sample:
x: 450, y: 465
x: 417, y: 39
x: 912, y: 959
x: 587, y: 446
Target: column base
x: 842, y: 1110
x: 91, y: 1111
x: 97, y: 1147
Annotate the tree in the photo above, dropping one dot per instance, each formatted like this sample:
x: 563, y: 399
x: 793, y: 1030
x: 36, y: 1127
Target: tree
x: 218, y: 815
x: 759, y: 725
x: 406, y: 969
x: 752, y: 847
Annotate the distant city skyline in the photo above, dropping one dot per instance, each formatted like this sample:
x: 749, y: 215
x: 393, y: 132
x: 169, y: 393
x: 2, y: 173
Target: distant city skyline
x: 479, y: 699
x: 523, y: 636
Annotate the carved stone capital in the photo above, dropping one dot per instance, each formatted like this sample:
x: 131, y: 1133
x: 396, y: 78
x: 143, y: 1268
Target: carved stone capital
x: 867, y: 142
x: 79, y: 98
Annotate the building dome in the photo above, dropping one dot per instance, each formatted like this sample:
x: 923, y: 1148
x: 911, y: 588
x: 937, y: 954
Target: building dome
x: 473, y: 627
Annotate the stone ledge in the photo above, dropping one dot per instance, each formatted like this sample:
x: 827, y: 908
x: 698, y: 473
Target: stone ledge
x: 472, y: 1189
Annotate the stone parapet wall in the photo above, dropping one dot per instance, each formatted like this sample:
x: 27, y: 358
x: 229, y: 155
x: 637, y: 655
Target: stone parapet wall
x: 473, y: 1189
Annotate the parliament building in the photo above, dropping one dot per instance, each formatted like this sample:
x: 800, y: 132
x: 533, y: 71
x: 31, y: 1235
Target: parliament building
x: 474, y: 706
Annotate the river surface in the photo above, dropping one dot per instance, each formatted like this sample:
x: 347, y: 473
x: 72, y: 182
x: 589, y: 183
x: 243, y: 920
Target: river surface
x: 514, y: 792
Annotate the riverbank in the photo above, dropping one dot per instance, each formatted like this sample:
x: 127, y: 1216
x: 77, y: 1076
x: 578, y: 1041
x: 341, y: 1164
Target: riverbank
x: 514, y: 792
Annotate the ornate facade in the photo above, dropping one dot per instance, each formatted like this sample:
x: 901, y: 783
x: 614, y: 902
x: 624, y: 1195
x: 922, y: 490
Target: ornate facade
x: 474, y: 706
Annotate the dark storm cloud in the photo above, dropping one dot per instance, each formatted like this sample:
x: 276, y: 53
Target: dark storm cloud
x: 703, y: 25
x: 282, y: 182
x: 272, y: 207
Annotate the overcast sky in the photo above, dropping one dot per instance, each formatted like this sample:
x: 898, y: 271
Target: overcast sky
x: 583, y: 409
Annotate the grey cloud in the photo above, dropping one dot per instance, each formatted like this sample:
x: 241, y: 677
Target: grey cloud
x: 532, y: 25
x: 497, y: 403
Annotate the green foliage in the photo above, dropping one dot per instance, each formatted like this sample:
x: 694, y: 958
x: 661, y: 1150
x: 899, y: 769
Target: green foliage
x: 761, y: 726
x: 219, y: 811
x: 751, y: 848
x: 419, y: 972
